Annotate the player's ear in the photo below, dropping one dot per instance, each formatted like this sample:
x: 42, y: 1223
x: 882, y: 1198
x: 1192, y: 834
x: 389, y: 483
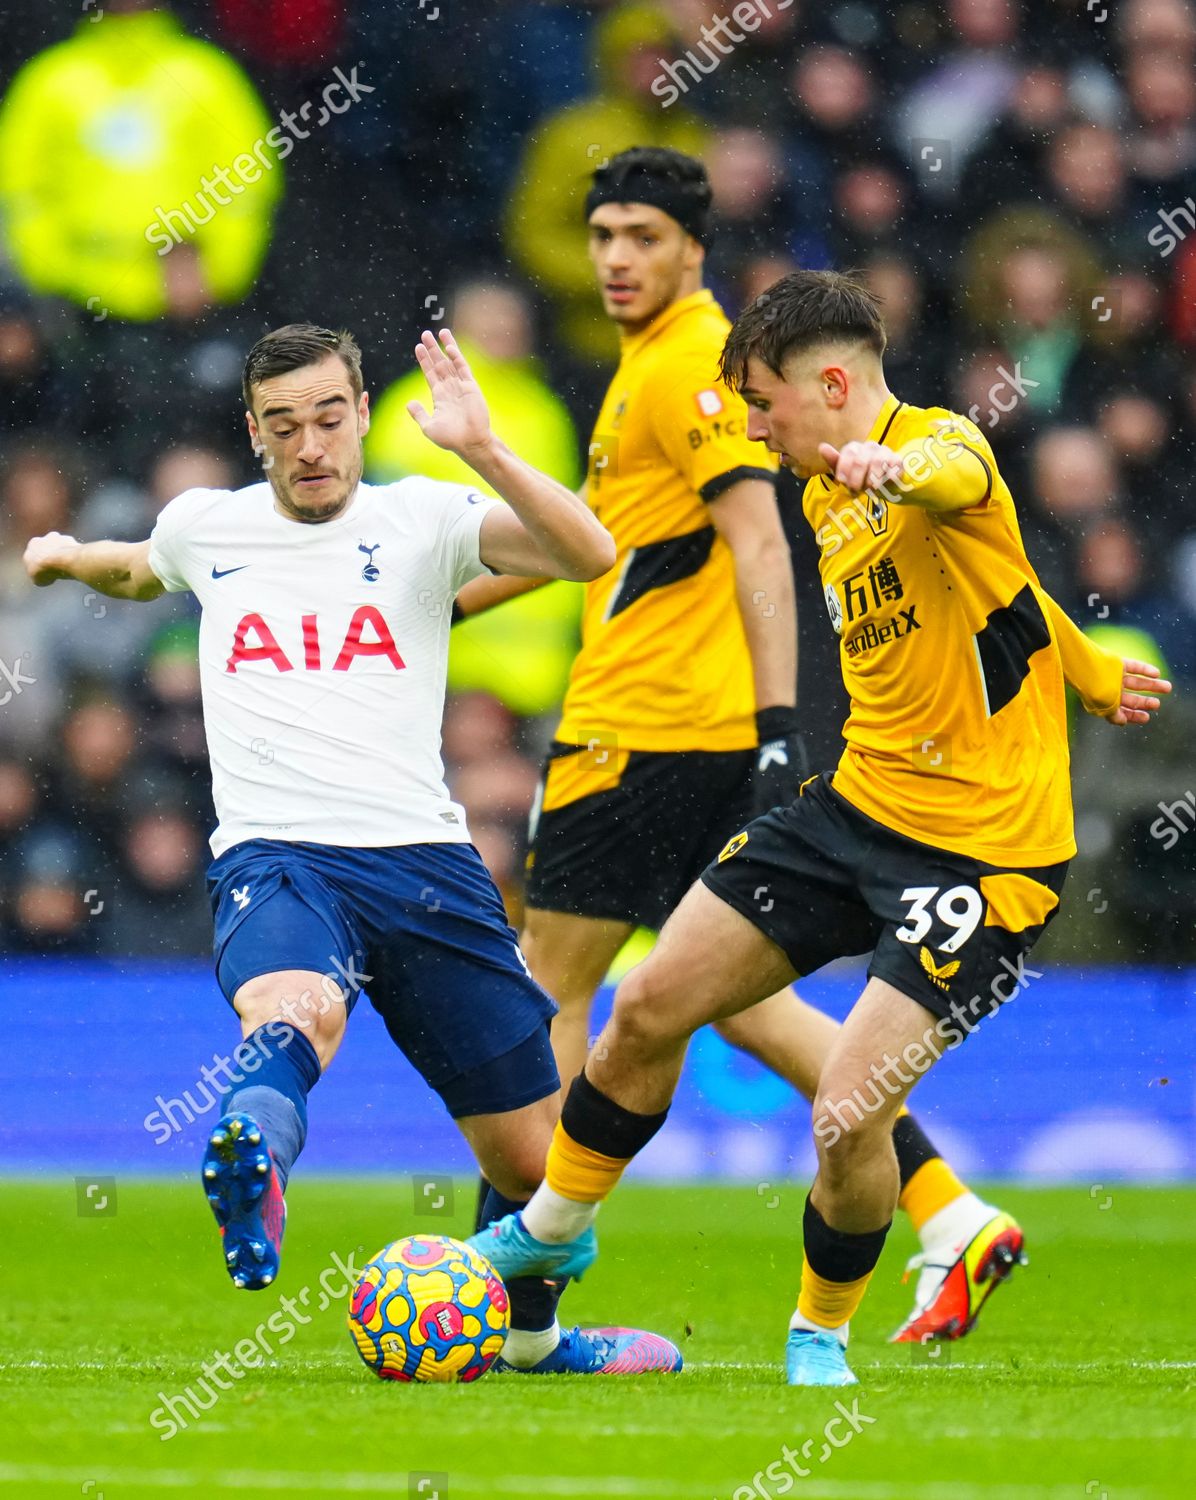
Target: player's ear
x: 695, y: 253
x: 363, y: 413
x: 254, y: 435
x: 834, y: 385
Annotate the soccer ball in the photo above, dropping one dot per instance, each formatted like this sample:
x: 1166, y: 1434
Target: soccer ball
x: 429, y: 1308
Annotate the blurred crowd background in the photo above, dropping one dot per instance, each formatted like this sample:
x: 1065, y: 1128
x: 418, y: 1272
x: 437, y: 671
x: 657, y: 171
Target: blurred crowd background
x: 1017, y: 181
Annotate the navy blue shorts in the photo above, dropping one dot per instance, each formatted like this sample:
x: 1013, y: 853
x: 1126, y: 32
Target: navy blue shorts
x: 421, y: 929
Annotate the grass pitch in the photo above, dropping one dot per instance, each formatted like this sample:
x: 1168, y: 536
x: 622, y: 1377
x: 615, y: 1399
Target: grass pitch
x: 1079, y: 1384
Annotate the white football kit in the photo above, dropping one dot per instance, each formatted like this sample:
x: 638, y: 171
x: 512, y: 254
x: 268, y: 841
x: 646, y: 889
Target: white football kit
x: 323, y: 654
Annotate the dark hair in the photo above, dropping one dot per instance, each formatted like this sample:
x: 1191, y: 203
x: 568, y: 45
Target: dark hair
x: 669, y: 180
x: 801, y: 310
x: 296, y: 345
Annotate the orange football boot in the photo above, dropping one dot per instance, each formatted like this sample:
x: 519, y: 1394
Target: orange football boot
x: 947, y: 1305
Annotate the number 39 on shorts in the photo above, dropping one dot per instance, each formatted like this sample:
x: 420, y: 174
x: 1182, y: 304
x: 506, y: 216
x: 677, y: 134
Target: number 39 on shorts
x: 959, y: 907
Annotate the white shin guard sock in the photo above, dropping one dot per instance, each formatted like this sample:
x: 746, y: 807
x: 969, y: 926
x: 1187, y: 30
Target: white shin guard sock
x: 554, y: 1220
x: 523, y: 1349
x: 804, y: 1324
x: 962, y: 1219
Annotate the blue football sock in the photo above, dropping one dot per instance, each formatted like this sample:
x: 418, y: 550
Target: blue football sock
x: 533, y: 1300
x: 275, y: 1091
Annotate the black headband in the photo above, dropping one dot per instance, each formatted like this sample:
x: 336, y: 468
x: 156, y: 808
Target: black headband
x: 687, y: 202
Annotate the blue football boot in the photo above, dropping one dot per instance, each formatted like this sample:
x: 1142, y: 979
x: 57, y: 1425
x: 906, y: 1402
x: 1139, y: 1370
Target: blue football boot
x: 604, y: 1351
x: 512, y: 1252
x: 242, y: 1185
x: 816, y: 1359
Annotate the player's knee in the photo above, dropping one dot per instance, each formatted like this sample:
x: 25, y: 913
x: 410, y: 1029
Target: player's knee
x: 847, y: 1124
x: 516, y: 1166
x: 518, y: 1179
x: 645, y: 1012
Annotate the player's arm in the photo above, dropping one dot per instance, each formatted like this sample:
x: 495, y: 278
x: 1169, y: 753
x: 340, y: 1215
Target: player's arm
x: 746, y: 517
x: 481, y: 594
x: 942, y: 474
x: 1121, y: 690
x: 939, y: 472
x: 119, y: 569
x: 544, y: 530
x: 702, y: 428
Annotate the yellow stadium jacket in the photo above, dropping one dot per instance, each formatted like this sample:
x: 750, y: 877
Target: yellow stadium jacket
x: 103, y: 134
x: 545, y: 223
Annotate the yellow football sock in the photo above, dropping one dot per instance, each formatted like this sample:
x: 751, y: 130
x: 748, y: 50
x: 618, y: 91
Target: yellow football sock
x: 932, y: 1187
x: 829, y: 1304
x: 577, y: 1173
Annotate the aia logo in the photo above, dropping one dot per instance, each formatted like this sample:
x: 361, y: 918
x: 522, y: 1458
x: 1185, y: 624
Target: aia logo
x: 254, y: 641
x: 370, y: 571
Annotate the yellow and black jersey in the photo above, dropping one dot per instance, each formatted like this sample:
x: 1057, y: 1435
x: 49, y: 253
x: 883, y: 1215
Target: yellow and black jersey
x: 957, y: 734
x: 664, y: 662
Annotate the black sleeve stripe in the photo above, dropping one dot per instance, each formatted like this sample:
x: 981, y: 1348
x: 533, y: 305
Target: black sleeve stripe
x: 1010, y: 637
x: 713, y: 488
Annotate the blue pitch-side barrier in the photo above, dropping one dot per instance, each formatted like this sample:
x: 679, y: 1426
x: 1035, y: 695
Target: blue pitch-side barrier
x: 1087, y: 1075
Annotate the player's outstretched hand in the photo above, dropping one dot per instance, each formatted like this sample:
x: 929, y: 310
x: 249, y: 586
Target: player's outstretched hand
x: 43, y: 557
x: 1141, y: 685
x: 863, y: 466
x: 459, y: 420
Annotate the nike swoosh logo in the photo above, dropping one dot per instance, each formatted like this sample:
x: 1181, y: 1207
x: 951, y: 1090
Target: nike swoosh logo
x: 224, y: 572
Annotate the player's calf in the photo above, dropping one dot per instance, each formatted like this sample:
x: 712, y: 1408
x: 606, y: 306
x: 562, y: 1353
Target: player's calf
x: 850, y: 1207
x: 638, y: 1056
x: 862, y: 1089
x: 510, y: 1145
x: 857, y: 1165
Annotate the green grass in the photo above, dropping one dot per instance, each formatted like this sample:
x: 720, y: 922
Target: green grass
x: 1080, y: 1381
